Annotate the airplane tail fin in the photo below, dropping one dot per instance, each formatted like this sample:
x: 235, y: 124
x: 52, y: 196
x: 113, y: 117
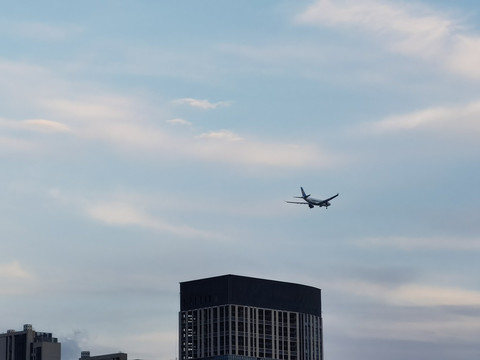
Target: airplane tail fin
x: 304, y: 196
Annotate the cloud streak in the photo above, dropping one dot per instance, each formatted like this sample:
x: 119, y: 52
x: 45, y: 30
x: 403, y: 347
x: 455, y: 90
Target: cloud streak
x: 221, y: 135
x: 179, y: 121
x: 201, y: 104
x: 422, y: 243
x: 37, y: 125
x: 124, y: 214
x: 460, y: 119
x: 410, y: 294
x: 13, y: 270
x: 411, y: 30
x: 114, y: 120
x: 15, y: 280
x: 129, y: 124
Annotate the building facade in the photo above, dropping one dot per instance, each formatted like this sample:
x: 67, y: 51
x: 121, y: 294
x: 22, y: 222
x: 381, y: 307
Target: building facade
x: 29, y: 345
x: 234, y: 317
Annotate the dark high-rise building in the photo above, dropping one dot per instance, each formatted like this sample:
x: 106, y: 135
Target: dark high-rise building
x: 234, y: 317
x: 29, y: 345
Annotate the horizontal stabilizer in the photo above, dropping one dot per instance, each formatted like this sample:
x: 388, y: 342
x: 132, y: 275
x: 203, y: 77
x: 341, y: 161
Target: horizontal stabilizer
x: 297, y: 202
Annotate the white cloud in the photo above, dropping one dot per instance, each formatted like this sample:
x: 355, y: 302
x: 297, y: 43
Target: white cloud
x: 202, y: 104
x: 427, y: 295
x: 45, y: 125
x: 228, y: 147
x: 15, y: 280
x: 40, y: 125
x: 225, y: 135
x: 114, y: 121
x: 127, y: 124
x: 410, y: 294
x: 383, y: 17
x: 412, y: 30
x: 13, y: 270
x: 100, y: 107
x: 179, y: 121
x: 124, y: 214
x: 422, y: 243
x: 465, y: 55
x: 436, y: 326
x: 407, y: 311
x: 455, y: 119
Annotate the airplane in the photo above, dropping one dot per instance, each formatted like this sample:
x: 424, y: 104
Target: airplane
x: 311, y: 202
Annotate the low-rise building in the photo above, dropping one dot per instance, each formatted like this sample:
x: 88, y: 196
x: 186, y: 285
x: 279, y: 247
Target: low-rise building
x: 29, y: 344
x: 85, y: 355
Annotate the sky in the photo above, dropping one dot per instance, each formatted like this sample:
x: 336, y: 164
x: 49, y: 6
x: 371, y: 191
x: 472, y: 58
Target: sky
x: 146, y: 143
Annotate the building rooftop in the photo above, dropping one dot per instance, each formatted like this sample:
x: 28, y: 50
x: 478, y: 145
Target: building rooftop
x: 243, y: 290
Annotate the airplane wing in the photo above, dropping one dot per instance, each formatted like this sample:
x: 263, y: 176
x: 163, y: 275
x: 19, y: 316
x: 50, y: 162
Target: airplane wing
x: 333, y: 197
x: 296, y: 202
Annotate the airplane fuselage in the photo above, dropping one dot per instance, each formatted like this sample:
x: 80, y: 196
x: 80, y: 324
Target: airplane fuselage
x: 316, y: 202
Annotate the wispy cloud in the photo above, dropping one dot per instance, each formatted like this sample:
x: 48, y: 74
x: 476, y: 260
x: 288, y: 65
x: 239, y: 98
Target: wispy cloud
x: 217, y: 146
x: 421, y: 243
x: 179, y: 121
x: 411, y: 323
x: 124, y: 214
x: 114, y: 121
x: 13, y: 270
x: 127, y: 123
x: 73, y: 344
x: 15, y: 279
x: 38, y: 125
x: 229, y: 147
x: 453, y: 119
x: 226, y: 135
x: 406, y: 310
x: 43, y: 125
x: 410, y: 294
x: 98, y: 107
x: 412, y: 30
x: 202, y: 104
x: 428, y: 295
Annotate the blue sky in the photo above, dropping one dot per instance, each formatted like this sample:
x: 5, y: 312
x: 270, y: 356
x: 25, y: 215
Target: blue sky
x: 147, y: 143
